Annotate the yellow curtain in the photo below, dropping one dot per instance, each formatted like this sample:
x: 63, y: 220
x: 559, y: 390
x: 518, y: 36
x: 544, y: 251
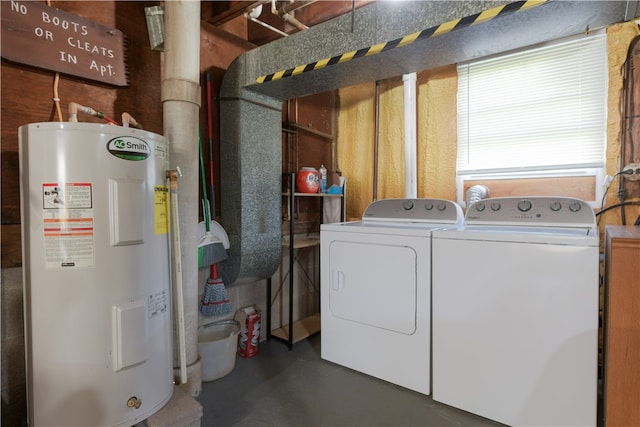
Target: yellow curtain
x: 436, y: 139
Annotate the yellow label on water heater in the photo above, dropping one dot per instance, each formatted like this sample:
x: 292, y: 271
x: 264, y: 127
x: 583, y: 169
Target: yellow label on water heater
x: 161, y: 209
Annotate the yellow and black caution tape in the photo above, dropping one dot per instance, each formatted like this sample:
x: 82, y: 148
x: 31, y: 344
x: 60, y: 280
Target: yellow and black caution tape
x: 447, y: 27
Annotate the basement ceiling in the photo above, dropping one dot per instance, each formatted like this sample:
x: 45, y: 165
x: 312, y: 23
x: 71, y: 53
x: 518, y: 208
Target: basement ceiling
x: 306, y: 12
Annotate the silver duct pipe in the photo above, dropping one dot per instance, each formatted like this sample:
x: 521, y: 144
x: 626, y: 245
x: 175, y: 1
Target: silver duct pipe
x: 476, y: 193
x: 181, y: 104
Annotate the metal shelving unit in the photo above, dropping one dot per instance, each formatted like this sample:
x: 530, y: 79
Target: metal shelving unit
x: 302, y: 328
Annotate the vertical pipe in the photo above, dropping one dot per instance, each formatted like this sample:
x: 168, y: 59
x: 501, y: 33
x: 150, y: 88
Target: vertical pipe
x: 292, y: 183
x: 177, y: 283
x: 335, y: 165
x: 410, y: 111
x: 181, y: 104
x: 376, y: 140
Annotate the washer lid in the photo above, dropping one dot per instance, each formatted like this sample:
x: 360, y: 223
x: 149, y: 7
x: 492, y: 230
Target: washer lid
x: 574, y: 236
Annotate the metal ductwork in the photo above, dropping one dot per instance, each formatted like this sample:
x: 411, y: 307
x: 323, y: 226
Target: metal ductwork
x: 251, y: 111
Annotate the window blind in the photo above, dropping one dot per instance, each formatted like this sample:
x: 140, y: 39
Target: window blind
x: 534, y: 110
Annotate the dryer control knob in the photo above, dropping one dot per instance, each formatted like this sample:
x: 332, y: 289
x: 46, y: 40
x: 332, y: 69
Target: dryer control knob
x: 407, y: 205
x: 495, y: 206
x: 575, y: 207
x: 480, y: 207
x: 428, y: 206
x: 442, y: 207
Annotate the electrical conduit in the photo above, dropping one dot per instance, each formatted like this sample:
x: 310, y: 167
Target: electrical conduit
x: 410, y: 111
x: 376, y: 140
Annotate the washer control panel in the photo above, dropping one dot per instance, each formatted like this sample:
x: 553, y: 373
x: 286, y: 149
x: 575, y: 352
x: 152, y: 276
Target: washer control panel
x: 414, y: 210
x: 535, y: 210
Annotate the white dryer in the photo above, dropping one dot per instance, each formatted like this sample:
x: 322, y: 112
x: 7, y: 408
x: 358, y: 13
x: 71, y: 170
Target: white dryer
x: 376, y: 289
x: 515, y: 312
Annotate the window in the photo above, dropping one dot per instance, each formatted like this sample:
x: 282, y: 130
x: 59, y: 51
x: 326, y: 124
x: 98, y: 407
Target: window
x: 534, y: 114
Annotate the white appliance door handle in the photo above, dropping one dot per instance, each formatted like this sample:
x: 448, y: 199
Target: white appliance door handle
x: 338, y: 280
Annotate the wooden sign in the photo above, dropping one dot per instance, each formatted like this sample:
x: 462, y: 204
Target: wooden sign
x: 38, y: 35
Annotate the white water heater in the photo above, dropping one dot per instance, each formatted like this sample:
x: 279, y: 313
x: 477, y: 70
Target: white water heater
x: 95, y: 239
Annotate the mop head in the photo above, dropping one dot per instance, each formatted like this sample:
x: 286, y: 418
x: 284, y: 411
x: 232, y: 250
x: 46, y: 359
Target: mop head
x: 215, y: 301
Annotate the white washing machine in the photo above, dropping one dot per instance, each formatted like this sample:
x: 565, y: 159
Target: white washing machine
x: 515, y: 312
x: 376, y: 289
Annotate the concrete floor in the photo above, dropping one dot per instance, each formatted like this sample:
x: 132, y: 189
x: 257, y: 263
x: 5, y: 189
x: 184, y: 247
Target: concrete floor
x: 280, y: 388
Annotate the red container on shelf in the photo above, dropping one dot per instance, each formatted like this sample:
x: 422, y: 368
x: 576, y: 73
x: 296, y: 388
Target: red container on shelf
x: 307, y: 180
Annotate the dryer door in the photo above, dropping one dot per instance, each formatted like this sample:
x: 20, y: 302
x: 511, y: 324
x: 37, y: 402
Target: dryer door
x: 374, y: 283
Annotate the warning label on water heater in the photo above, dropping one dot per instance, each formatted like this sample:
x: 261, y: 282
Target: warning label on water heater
x: 161, y: 209
x: 68, y: 225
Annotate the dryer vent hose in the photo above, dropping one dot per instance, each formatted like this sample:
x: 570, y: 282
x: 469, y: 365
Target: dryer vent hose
x: 476, y: 193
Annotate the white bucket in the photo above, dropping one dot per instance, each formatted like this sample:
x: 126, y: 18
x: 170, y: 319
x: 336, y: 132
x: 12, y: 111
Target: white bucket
x: 217, y: 345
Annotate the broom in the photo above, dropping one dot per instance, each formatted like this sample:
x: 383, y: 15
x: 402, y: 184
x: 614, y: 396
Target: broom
x: 210, y: 248
x: 214, y: 301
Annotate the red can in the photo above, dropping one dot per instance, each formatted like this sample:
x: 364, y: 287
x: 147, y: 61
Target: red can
x: 308, y: 180
x: 249, y: 337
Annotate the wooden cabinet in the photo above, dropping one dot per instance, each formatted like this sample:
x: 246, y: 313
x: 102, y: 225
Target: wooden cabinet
x: 622, y: 327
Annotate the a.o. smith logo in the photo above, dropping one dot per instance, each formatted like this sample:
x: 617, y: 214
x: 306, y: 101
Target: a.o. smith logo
x: 128, y: 148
